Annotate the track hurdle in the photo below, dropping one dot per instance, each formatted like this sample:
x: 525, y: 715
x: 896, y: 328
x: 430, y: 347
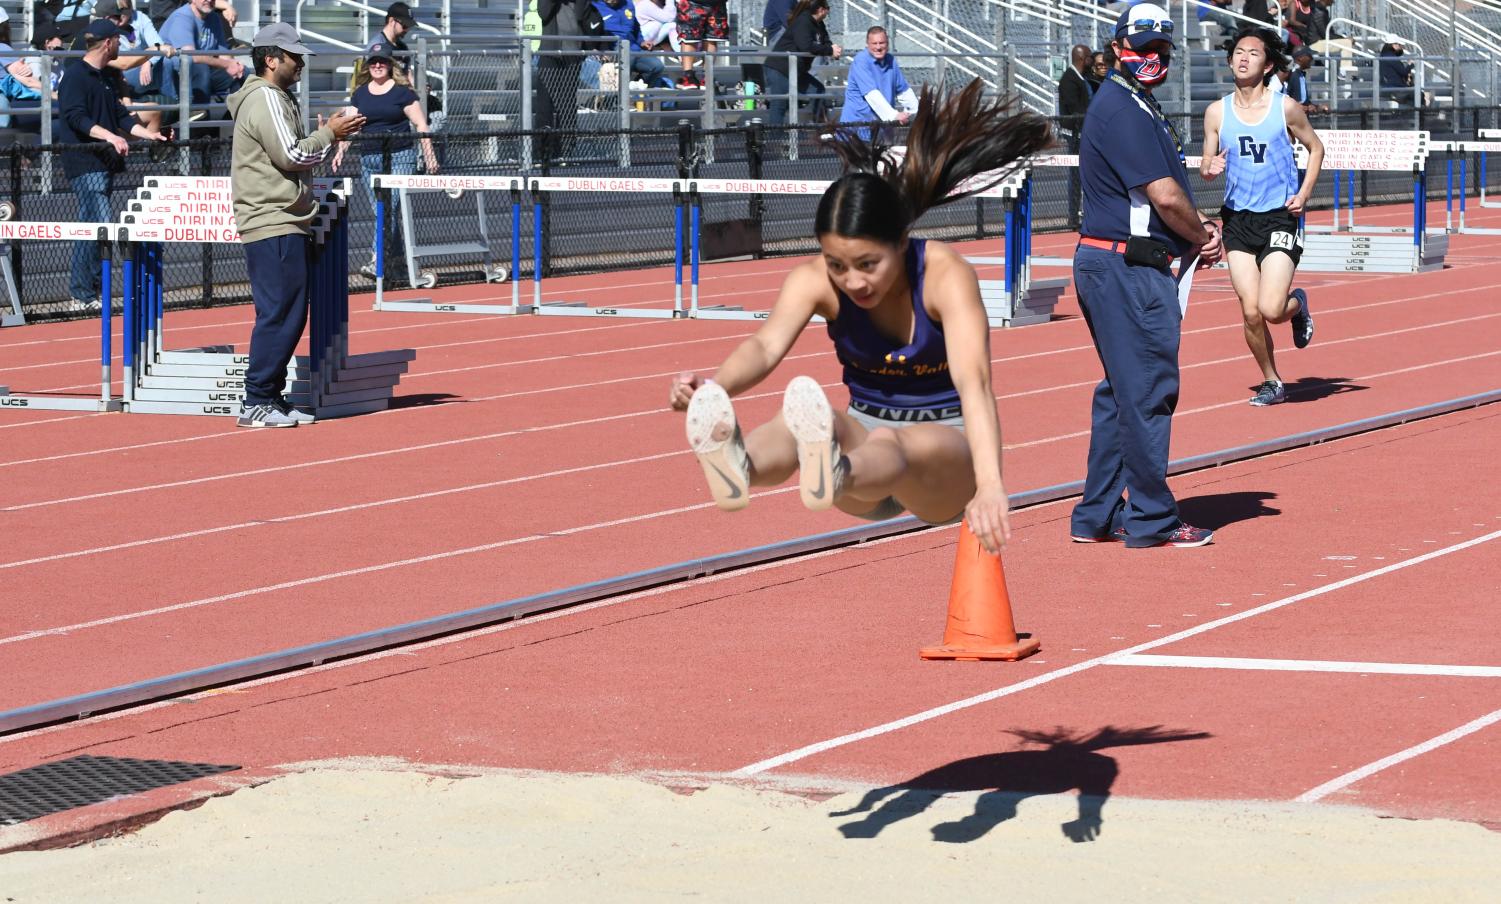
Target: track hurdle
x: 1486, y: 135
x: 1345, y: 247
x: 104, y: 234
x: 211, y: 381
x: 1464, y: 150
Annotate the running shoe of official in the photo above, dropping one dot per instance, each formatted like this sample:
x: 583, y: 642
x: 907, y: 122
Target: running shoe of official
x: 1302, y: 321
x: 1272, y: 392
x: 263, y: 416
x: 1183, y: 536
x: 821, y: 467
x: 301, y: 417
x: 715, y: 438
x: 1116, y: 536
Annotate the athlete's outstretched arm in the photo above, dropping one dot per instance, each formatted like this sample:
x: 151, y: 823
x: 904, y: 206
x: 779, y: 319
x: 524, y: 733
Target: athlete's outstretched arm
x: 1300, y: 128
x: 1212, y: 162
x: 955, y: 296
x: 804, y: 293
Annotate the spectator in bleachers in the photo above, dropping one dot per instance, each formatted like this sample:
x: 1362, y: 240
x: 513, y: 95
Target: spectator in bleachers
x: 774, y: 20
x: 702, y: 25
x: 398, y: 24
x: 807, y: 37
x: 68, y: 17
x: 1260, y: 10
x: 159, y: 10
x: 91, y: 115
x: 620, y: 21
x: 1074, y: 94
x: 875, y: 88
x: 1099, y: 67
x: 200, y: 26
x: 659, y: 25
x: 555, y: 95
x: 1318, y: 24
x: 1296, y: 16
x: 1396, y: 75
x: 19, y: 80
x: 141, y: 72
x: 390, y: 108
x: 1298, y: 87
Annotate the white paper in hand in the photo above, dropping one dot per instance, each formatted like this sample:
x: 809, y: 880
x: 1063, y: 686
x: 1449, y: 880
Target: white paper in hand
x: 1186, y: 268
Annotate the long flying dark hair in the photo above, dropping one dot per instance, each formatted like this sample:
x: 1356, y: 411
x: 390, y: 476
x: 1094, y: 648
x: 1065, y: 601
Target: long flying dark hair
x: 957, y: 139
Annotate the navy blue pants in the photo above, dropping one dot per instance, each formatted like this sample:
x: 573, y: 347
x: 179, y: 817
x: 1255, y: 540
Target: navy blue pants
x: 1134, y: 319
x: 278, y: 282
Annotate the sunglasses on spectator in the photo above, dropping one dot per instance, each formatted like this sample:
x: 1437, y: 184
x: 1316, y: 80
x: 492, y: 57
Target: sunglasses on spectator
x: 1138, y: 26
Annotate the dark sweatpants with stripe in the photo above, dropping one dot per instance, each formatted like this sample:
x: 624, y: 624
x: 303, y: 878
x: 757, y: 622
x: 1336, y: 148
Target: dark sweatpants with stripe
x: 1135, y: 321
x: 278, y: 282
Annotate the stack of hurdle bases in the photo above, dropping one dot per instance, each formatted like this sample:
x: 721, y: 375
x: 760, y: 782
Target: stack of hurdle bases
x: 211, y: 381
x: 104, y: 234
x: 1011, y: 301
x: 1345, y: 247
x: 1464, y: 150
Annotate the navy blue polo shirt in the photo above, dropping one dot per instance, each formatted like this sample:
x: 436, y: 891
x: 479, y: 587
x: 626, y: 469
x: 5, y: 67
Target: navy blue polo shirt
x: 1124, y: 146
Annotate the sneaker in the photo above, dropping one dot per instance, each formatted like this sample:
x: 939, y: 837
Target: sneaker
x: 1184, y: 536
x: 1116, y: 536
x: 821, y: 468
x: 91, y: 305
x: 1272, y: 392
x: 301, y: 417
x: 367, y: 270
x: 716, y: 440
x: 1302, y: 321
x: 263, y: 416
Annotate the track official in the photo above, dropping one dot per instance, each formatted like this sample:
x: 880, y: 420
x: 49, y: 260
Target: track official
x: 1139, y: 214
x: 274, y: 209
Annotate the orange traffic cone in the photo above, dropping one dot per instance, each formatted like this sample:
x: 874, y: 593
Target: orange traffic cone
x: 979, y: 625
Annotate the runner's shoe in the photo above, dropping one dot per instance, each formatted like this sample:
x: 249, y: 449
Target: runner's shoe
x: 1272, y: 392
x: 303, y: 418
x: 1116, y: 536
x: 1302, y: 321
x: 263, y: 416
x: 1183, y: 536
x: 821, y: 468
x: 716, y: 440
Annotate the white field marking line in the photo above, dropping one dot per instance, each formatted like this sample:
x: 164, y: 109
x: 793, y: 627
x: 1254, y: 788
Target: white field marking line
x: 603, y: 419
x: 1308, y: 665
x: 1218, y: 405
x: 1088, y: 664
x: 464, y: 636
x: 1349, y: 778
x: 370, y: 569
x: 49, y: 420
x: 355, y: 507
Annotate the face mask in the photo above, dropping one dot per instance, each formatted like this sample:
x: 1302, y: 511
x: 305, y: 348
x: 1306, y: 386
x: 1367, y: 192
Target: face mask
x: 1148, y: 68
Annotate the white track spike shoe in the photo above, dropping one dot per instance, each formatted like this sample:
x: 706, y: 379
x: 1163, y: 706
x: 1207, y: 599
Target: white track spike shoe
x: 716, y: 440
x: 822, y: 468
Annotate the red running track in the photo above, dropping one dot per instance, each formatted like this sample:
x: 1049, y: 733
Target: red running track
x: 776, y: 673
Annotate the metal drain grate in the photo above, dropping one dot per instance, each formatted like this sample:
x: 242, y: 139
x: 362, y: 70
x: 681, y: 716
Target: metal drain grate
x: 83, y: 780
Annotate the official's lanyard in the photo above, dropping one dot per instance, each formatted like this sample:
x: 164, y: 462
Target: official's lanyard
x: 1152, y: 102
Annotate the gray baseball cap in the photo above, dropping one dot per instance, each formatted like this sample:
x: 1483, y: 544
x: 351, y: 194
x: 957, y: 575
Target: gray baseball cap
x: 282, y: 35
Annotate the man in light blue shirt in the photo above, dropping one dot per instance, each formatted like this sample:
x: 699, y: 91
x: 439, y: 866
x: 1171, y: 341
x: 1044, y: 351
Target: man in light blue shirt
x: 876, y: 90
x: 198, y: 26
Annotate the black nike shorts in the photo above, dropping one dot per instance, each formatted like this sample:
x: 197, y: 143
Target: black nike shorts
x: 1262, y: 233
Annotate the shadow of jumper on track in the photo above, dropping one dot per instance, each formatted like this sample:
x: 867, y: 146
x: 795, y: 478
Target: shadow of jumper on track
x: 1311, y: 389
x: 1067, y: 761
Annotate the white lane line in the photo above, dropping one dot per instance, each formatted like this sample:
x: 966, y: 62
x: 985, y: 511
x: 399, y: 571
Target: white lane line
x: 927, y: 715
x: 1401, y: 756
x: 1309, y: 665
x: 343, y: 509
x: 368, y: 569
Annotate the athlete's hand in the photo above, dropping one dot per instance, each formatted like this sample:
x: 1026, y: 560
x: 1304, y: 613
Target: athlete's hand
x: 683, y: 387
x: 1213, y: 250
x: 1296, y: 204
x: 988, y: 518
x: 1215, y: 165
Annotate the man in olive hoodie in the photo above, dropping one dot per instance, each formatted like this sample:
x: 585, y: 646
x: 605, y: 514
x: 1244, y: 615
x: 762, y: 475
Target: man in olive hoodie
x: 274, y: 209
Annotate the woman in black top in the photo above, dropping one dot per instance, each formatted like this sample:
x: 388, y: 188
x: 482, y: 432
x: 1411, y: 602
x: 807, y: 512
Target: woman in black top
x: 805, y: 35
x: 390, y: 108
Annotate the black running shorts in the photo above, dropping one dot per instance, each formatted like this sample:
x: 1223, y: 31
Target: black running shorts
x: 1262, y: 233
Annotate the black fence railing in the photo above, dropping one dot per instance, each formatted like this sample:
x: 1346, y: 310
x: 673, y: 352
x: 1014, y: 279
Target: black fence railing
x: 584, y: 231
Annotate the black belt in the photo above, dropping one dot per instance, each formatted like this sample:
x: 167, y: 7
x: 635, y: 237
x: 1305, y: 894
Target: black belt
x: 908, y: 415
